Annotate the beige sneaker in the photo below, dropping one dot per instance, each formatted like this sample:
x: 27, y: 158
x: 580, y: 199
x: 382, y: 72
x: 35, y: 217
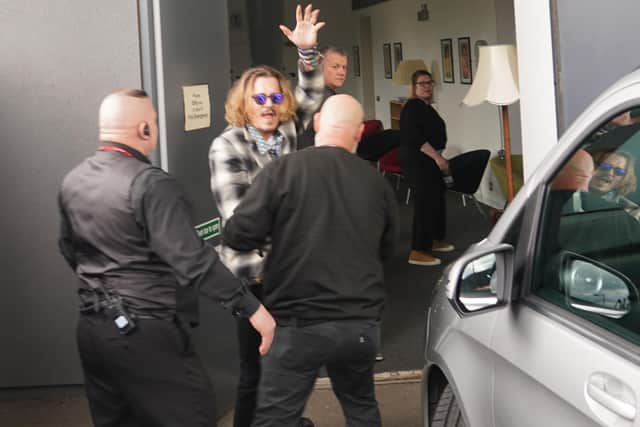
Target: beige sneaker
x: 423, y: 258
x: 439, y: 246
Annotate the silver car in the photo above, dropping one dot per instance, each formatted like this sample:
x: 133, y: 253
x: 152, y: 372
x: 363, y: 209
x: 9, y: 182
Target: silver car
x: 539, y: 324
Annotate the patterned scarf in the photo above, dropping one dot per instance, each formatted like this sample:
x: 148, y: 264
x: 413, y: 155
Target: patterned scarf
x: 272, y: 146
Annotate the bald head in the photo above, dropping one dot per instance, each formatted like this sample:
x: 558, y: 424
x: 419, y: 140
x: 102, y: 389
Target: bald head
x: 339, y: 122
x: 128, y: 117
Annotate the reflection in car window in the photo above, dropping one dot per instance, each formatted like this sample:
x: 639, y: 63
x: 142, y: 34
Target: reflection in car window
x: 587, y: 257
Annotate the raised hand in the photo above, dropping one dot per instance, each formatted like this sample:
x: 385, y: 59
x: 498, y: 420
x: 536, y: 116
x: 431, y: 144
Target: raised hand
x: 305, y: 35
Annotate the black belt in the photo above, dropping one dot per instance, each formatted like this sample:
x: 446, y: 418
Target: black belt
x: 295, y: 321
x: 95, y: 305
x: 98, y: 306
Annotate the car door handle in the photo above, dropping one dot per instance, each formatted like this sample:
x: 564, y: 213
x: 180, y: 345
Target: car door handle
x: 613, y: 394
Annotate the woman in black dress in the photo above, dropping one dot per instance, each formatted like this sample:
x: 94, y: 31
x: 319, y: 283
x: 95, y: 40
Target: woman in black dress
x: 423, y: 137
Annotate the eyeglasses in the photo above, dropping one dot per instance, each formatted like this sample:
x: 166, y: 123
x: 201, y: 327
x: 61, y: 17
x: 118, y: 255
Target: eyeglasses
x: 606, y: 167
x: 261, y: 98
x: 423, y: 84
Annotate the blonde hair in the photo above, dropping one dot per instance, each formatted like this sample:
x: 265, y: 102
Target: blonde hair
x: 235, y: 111
x: 628, y: 182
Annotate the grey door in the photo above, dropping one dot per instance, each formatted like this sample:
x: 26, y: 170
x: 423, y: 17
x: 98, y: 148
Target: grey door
x: 192, y: 41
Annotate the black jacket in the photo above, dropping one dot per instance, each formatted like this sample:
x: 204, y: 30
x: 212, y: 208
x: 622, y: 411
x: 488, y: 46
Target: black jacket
x: 331, y: 220
x: 125, y: 227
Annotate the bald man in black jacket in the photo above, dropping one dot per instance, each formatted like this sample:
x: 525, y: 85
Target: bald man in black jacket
x: 127, y: 234
x: 330, y: 219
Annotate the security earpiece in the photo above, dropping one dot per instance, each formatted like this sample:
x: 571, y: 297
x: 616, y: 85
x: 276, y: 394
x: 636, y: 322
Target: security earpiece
x: 146, y: 131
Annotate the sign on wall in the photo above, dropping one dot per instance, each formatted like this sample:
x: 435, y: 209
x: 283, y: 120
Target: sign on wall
x: 197, y: 107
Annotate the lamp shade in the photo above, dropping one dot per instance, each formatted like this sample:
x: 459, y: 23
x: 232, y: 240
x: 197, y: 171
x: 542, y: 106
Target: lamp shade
x: 406, y: 68
x: 497, y: 77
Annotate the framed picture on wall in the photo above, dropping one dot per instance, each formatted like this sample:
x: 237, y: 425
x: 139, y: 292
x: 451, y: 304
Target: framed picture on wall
x: 464, y: 53
x: 397, y: 55
x: 386, y: 56
x: 446, y: 49
x: 356, y: 61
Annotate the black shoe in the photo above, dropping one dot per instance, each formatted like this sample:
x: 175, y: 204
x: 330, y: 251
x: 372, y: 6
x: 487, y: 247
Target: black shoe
x: 379, y: 357
x: 306, y: 422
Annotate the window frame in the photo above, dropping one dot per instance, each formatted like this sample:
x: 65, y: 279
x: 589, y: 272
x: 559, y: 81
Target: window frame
x: 527, y: 249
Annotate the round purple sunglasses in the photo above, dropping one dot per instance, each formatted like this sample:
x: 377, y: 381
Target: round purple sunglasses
x: 261, y: 98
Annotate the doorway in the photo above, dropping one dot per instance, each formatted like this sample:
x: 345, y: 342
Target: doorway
x: 366, y: 63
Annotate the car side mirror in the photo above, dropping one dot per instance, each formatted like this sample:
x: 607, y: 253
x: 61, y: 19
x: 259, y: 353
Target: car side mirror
x: 479, y: 278
x: 594, y: 287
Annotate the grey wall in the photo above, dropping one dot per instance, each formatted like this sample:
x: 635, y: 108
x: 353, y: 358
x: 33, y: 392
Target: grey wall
x: 266, y: 39
x: 239, y: 43
x: 597, y: 43
x: 195, y: 47
x: 59, y: 59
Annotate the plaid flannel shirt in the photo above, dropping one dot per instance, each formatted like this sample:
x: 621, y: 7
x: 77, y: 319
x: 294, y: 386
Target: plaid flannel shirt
x: 234, y: 162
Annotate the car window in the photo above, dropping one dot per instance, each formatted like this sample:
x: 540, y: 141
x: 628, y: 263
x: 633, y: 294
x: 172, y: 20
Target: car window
x: 588, y: 249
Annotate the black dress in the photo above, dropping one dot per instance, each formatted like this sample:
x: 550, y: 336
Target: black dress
x: 420, y: 123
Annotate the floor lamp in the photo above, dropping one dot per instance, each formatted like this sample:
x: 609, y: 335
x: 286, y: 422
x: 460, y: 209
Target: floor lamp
x: 496, y: 82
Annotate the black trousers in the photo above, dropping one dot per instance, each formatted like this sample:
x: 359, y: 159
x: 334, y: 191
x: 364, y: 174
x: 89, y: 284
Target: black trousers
x: 375, y: 146
x: 429, y: 201
x: 151, y: 377
x: 247, y: 390
x: 289, y: 370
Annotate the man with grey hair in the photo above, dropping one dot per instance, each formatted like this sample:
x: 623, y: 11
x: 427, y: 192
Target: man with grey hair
x: 334, y: 67
x: 334, y: 71
x: 330, y: 219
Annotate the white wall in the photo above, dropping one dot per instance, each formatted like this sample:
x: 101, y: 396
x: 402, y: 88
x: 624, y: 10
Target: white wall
x: 537, y: 90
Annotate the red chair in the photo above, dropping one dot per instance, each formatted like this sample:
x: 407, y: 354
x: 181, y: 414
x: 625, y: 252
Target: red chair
x: 371, y: 127
x: 389, y: 163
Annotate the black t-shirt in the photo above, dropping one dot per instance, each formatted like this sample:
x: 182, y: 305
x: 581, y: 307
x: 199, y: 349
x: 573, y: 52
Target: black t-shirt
x: 420, y: 123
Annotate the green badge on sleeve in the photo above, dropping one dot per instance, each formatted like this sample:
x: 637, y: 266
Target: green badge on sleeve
x: 208, y: 229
